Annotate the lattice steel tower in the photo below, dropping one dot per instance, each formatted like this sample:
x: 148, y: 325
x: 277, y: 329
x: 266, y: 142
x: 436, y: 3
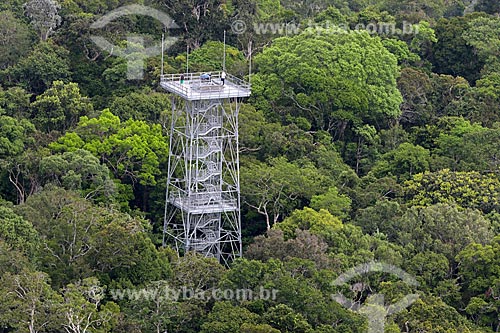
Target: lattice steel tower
x: 202, y: 211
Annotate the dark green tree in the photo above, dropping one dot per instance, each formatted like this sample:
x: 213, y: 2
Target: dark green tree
x: 15, y: 39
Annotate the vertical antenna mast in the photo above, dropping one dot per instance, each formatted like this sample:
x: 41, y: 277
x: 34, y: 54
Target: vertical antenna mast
x: 162, y: 52
x: 224, y: 59
x: 250, y: 63
x: 187, y: 59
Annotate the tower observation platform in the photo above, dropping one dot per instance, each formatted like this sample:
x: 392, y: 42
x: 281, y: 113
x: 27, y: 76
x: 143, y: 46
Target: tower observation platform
x: 202, y: 211
x: 193, y: 86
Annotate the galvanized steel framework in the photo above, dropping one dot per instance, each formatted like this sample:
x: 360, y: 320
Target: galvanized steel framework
x: 202, y: 211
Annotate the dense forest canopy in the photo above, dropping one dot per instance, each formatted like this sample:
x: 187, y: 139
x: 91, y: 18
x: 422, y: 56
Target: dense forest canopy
x: 372, y: 134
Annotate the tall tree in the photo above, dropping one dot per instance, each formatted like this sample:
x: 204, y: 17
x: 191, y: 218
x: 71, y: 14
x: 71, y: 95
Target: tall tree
x: 197, y: 18
x: 331, y: 79
x: 452, y: 54
x: 28, y: 303
x: 467, y: 189
x: 60, y: 107
x: 277, y: 189
x: 44, y: 16
x: 85, y: 310
x: 483, y: 35
x: 46, y: 63
x: 81, y: 239
x: 443, y: 229
x: 18, y: 233
x: 15, y: 39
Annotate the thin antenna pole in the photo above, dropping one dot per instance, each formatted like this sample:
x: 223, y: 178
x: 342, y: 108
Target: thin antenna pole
x: 250, y: 63
x: 224, y: 61
x: 162, y: 52
x: 187, y: 59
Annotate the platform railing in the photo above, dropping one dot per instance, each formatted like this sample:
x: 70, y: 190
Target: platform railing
x: 193, y: 83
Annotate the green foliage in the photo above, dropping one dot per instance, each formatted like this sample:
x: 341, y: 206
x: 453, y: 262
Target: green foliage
x: 200, y: 23
x: 319, y: 223
x: 12, y: 261
x: 304, y: 245
x: 225, y: 317
x: 264, y: 139
x: 401, y: 50
x: 18, y: 233
x: 467, y: 189
x: 261, y: 328
x: 210, y: 57
x: 479, y: 272
x: 432, y: 314
x: 14, y: 136
x: 423, y: 40
x: 78, y: 170
x: 429, y: 268
x: 60, y: 107
x: 452, y: 54
x: 145, y: 105
x: 285, y: 319
x: 370, y: 190
x: 275, y: 190
x: 15, y: 102
x: 416, y: 88
x: 416, y: 10
x: 466, y: 147
x: 488, y: 6
x: 346, y: 241
x: 196, y: 272
x: 382, y: 217
x: 359, y: 84
x: 398, y: 164
x: 480, y: 103
x: 124, y: 251
x: 337, y: 204
x: 331, y: 15
x: 446, y: 91
x: 84, y: 308
x: 15, y: 39
x: 46, y: 63
x: 483, y: 35
x: 403, y: 162
x: 443, y: 229
x: 132, y: 150
x: 43, y: 16
x: 80, y: 238
x: 28, y: 303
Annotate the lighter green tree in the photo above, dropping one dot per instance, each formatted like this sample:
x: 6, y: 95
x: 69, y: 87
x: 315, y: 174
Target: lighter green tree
x: 483, y: 34
x: 60, y: 107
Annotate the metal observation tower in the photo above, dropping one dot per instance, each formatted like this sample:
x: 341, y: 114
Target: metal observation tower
x: 202, y: 211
